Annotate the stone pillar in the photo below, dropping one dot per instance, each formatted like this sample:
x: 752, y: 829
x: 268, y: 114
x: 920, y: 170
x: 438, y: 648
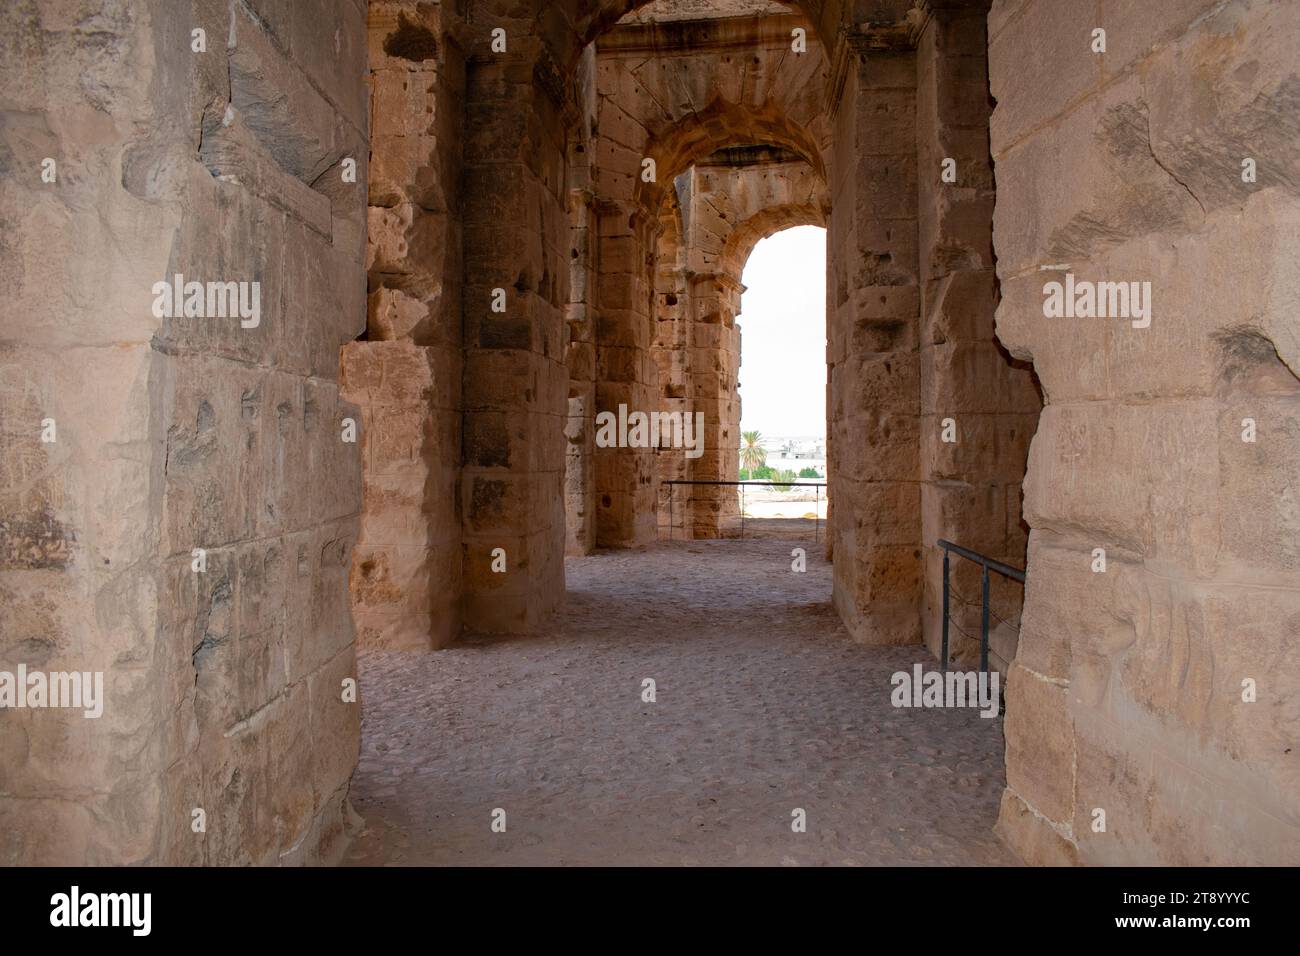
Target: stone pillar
x: 579, y: 471
x: 516, y: 382
x: 1161, y: 690
x: 872, y: 316
x: 714, y: 364
x: 669, y: 352
x: 406, y: 374
x: 970, y: 492
x: 625, y: 371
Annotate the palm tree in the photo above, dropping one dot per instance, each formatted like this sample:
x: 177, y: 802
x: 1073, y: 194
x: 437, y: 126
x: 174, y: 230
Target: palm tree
x: 752, y: 453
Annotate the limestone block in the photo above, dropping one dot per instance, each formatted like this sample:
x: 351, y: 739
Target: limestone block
x: 236, y: 792
x: 959, y: 307
x: 1130, y: 35
x: 625, y: 327
x: 621, y: 364
x: 881, y: 323
x: 232, y: 153
x: 180, y: 794
x: 406, y: 240
x: 1040, y: 744
x: 987, y: 445
x: 208, y: 436
x: 1074, y: 366
x: 886, y: 188
x: 885, y: 254
x: 1140, y: 777
x: 318, y: 622
x: 955, y: 231
x: 1031, y: 837
x: 892, y: 438
x: 1118, y: 189
x: 290, y: 742
x: 1202, y: 131
x: 334, y: 52
x: 497, y: 504
x: 1040, y: 61
x: 293, y: 121
x: 1260, y: 514
x: 887, y: 117
x: 876, y: 382
x: 966, y: 514
x: 974, y: 377
x: 72, y: 834
x: 496, y: 380
x: 1073, y: 612
x: 394, y: 510
x: 335, y: 464
x: 395, y: 314
x: 281, y: 414
x: 335, y: 725
x: 406, y: 169
x: 1172, y: 516
x: 246, y: 247
x: 1191, y: 650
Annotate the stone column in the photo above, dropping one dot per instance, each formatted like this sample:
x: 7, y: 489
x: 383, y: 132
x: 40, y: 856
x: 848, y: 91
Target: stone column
x: 714, y: 363
x: 872, y: 315
x: 516, y: 381
x: 626, y: 373
x: 406, y: 374
x: 579, y: 470
x: 669, y: 352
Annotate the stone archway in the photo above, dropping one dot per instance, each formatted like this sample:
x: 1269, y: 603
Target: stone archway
x: 670, y: 95
x: 736, y: 197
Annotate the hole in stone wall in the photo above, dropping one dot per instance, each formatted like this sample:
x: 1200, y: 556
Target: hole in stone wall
x: 411, y: 41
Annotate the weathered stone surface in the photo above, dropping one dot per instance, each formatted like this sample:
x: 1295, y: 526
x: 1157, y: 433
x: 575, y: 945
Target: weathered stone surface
x: 1140, y: 452
x: 1036, y: 839
x: 176, y: 433
x: 1040, y: 744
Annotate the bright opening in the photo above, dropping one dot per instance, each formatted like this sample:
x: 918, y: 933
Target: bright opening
x: 783, y: 373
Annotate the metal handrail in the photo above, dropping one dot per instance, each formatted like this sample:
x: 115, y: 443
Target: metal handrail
x: 817, y: 519
x: 988, y: 564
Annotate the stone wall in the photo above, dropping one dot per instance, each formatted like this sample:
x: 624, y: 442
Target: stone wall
x: 1127, y: 166
x: 188, y: 530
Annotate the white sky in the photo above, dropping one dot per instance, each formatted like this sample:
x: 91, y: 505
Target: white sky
x: 783, y: 335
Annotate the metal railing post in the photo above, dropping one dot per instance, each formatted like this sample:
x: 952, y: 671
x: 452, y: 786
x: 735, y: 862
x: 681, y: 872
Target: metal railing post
x: 984, y: 625
x: 672, y: 493
x: 986, y: 565
x: 945, y: 610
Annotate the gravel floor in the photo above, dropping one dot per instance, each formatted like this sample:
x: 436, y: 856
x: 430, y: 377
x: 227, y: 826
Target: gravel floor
x: 763, y: 705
